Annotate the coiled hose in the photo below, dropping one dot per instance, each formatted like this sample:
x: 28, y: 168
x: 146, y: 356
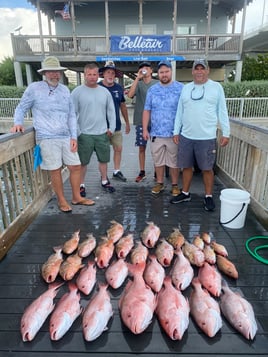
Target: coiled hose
x: 254, y: 253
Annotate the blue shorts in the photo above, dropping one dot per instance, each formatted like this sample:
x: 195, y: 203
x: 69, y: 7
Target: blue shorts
x: 200, y: 152
x: 139, y: 139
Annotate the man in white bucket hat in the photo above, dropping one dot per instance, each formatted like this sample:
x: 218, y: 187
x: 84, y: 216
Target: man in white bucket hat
x: 55, y: 125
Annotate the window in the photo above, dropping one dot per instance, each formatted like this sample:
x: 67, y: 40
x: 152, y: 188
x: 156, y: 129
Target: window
x: 186, y: 29
x: 135, y: 29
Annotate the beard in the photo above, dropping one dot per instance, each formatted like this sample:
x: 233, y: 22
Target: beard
x: 165, y: 80
x: 52, y: 81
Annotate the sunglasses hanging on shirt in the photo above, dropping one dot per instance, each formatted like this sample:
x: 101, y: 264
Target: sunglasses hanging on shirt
x: 197, y: 95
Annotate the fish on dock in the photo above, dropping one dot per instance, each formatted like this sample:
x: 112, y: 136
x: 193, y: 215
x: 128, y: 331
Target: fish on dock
x: 104, y: 252
x: 65, y: 313
x: 50, y: 269
x: 70, y: 266
x: 172, y: 310
x: 116, y: 273
x: 124, y: 246
x: 139, y: 253
x: 137, y: 302
x: 210, y: 278
x: 115, y: 232
x: 71, y: 244
x: 154, y: 273
x: 164, y: 252
x: 204, y: 309
x: 97, y: 314
x: 37, y: 312
x: 87, y: 278
x: 86, y: 247
x: 150, y: 235
x: 182, y: 272
x: 176, y: 238
x: 238, y: 311
x: 226, y: 266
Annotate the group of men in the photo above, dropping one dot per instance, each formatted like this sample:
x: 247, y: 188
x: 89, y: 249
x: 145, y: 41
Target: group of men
x: 179, y: 121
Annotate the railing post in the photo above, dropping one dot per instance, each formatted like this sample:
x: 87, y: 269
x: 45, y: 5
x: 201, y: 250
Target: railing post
x: 242, y: 102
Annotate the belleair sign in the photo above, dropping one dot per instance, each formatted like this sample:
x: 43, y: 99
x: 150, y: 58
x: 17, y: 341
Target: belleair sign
x: 140, y: 43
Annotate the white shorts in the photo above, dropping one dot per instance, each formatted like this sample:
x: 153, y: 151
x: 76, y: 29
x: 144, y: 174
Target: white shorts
x: 56, y: 152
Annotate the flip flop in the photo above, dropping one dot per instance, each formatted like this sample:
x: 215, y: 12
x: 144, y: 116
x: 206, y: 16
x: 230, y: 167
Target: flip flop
x: 84, y: 202
x: 65, y: 208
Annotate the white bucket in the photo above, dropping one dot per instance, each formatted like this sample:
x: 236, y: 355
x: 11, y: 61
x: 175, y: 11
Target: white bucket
x: 234, y: 203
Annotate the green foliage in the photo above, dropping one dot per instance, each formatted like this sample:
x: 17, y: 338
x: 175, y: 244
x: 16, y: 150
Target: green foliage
x: 246, y: 89
x: 255, y: 68
x: 7, y: 75
x: 11, y: 91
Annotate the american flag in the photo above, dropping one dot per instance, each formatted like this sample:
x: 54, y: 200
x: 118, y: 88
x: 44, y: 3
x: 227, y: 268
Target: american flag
x: 65, y: 13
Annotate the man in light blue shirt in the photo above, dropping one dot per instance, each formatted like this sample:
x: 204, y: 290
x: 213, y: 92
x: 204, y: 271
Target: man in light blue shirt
x: 55, y: 125
x: 201, y: 107
x: 159, y: 111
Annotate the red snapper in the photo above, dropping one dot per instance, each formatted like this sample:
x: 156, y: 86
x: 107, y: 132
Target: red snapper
x: 137, y: 302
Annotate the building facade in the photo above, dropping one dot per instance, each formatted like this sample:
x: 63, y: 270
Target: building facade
x: 131, y: 31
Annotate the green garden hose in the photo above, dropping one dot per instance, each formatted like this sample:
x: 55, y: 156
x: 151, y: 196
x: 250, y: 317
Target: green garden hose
x: 254, y: 252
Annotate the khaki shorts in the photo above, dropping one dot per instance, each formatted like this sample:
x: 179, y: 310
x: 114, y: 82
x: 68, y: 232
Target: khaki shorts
x: 164, y: 152
x: 116, y: 139
x: 56, y: 152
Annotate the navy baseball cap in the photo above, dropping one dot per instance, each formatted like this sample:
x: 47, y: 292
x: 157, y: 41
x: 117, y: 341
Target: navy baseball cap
x: 164, y: 63
x: 144, y: 64
x: 203, y: 62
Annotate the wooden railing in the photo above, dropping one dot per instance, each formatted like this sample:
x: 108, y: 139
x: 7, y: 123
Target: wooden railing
x: 34, y: 45
x: 243, y: 163
x: 23, y: 192
x: 249, y: 109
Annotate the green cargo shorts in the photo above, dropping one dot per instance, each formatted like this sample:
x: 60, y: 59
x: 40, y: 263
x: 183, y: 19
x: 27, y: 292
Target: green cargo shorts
x: 87, y: 144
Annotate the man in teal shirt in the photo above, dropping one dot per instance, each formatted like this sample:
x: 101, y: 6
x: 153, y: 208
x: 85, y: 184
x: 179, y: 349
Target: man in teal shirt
x: 201, y: 107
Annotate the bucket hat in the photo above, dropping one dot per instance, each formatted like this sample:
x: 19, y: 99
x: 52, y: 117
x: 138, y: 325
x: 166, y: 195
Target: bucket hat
x: 110, y: 65
x: 51, y: 64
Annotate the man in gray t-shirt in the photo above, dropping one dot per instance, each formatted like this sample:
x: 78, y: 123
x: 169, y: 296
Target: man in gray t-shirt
x: 139, y: 89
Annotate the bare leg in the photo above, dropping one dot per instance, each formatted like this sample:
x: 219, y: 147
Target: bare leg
x: 208, y: 179
x: 117, y: 157
x: 159, y: 170
x: 174, y: 173
x: 103, y: 170
x: 57, y: 185
x: 142, y: 150
x: 187, y: 175
x: 75, y: 177
x: 83, y: 172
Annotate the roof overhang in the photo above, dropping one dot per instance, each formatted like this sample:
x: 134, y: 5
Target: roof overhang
x: 49, y: 6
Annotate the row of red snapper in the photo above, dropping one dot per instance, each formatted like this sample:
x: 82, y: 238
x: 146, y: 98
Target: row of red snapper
x: 149, y: 291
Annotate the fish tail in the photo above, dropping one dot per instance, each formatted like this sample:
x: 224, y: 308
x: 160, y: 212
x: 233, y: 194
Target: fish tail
x: 56, y: 285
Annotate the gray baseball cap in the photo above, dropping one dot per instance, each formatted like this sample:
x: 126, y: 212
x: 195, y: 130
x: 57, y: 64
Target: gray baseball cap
x: 203, y: 62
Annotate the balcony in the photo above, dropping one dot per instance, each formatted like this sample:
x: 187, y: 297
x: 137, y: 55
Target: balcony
x: 85, y: 48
